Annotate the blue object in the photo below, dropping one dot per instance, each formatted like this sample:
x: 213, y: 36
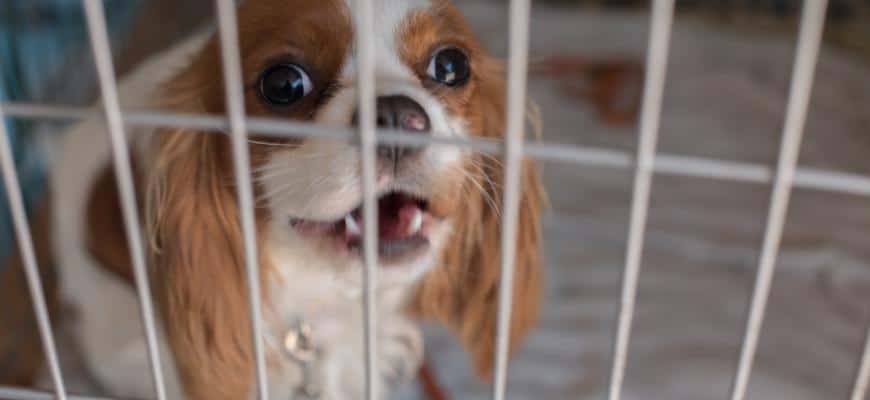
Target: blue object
x: 42, y: 45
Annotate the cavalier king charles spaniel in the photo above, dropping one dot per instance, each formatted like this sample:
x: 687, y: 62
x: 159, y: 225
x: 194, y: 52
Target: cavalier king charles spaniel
x: 438, y: 208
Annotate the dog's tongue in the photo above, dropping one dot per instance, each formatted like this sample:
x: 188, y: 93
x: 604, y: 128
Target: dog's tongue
x: 398, y: 217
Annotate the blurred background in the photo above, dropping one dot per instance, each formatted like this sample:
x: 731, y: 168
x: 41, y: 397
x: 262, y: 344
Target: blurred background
x: 725, y: 96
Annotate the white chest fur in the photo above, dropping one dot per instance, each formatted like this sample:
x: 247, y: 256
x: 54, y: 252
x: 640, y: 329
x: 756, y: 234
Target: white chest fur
x: 315, y: 328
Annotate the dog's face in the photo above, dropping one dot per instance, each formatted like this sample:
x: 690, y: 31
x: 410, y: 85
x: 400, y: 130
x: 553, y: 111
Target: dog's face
x: 438, y: 206
x: 299, y: 63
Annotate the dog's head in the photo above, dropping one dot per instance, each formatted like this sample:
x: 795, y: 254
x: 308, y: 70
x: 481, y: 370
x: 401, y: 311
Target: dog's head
x: 438, y: 206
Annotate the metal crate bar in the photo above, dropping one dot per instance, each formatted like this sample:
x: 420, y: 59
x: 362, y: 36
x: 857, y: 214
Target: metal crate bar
x: 654, y: 84
x: 809, y: 39
x: 28, y: 256
x: 518, y: 41
x: 713, y: 169
x: 582, y: 155
x: 99, y: 37
x: 365, y: 63
x: 862, y: 377
x: 233, y: 87
x: 14, y: 393
x: 818, y: 179
x: 666, y: 164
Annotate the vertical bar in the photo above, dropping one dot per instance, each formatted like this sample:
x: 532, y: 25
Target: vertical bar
x: 96, y: 21
x: 862, y: 377
x: 28, y: 255
x: 810, y: 36
x: 654, y: 84
x: 233, y: 86
x: 366, y: 93
x: 514, y: 124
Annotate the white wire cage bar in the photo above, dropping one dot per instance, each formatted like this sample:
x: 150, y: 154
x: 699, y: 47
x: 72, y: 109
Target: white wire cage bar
x: 862, y: 377
x: 645, y: 165
x: 518, y: 41
x: 96, y: 21
x: 365, y: 63
x: 28, y: 255
x: 809, y: 40
x: 233, y: 86
x: 7, y: 393
x: 657, y: 58
x: 665, y: 163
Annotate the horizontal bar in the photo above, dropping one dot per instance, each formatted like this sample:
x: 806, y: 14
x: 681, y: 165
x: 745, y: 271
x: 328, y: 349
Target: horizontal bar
x: 832, y: 181
x: 667, y: 164
x: 15, y: 393
x: 651, y: 110
x: 271, y: 127
x: 233, y: 86
x: 48, y: 111
x: 715, y: 169
x: 806, y: 58
x: 579, y: 155
x: 96, y: 21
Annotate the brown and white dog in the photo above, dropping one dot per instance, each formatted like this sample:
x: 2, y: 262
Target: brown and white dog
x: 438, y: 209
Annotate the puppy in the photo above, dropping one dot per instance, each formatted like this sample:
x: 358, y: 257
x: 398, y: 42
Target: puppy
x: 438, y: 208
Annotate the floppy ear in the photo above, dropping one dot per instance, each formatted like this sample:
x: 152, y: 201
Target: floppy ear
x: 196, y: 255
x: 462, y: 292
x: 197, y: 268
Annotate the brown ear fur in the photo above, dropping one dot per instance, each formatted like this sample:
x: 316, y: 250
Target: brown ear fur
x: 463, y: 292
x: 197, y: 259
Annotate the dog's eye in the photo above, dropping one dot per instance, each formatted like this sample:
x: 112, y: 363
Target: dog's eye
x: 284, y: 84
x: 449, y: 66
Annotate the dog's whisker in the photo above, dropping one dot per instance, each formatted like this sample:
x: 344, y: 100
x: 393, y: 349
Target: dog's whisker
x: 480, y: 189
x: 280, y: 190
x: 489, y: 157
x: 312, y: 187
x: 274, y: 144
x: 269, y: 167
x: 272, y: 174
x: 487, y: 179
x: 313, y: 184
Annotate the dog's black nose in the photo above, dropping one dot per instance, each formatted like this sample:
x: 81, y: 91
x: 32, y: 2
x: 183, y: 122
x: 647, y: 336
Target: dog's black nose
x: 400, y: 113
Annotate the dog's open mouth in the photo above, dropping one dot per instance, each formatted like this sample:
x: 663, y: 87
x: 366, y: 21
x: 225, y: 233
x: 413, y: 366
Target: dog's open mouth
x: 403, y: 227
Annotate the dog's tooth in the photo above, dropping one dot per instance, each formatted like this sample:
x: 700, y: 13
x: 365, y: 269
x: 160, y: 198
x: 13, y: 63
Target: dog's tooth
x: 350, y: 225
x: 416, y: 222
